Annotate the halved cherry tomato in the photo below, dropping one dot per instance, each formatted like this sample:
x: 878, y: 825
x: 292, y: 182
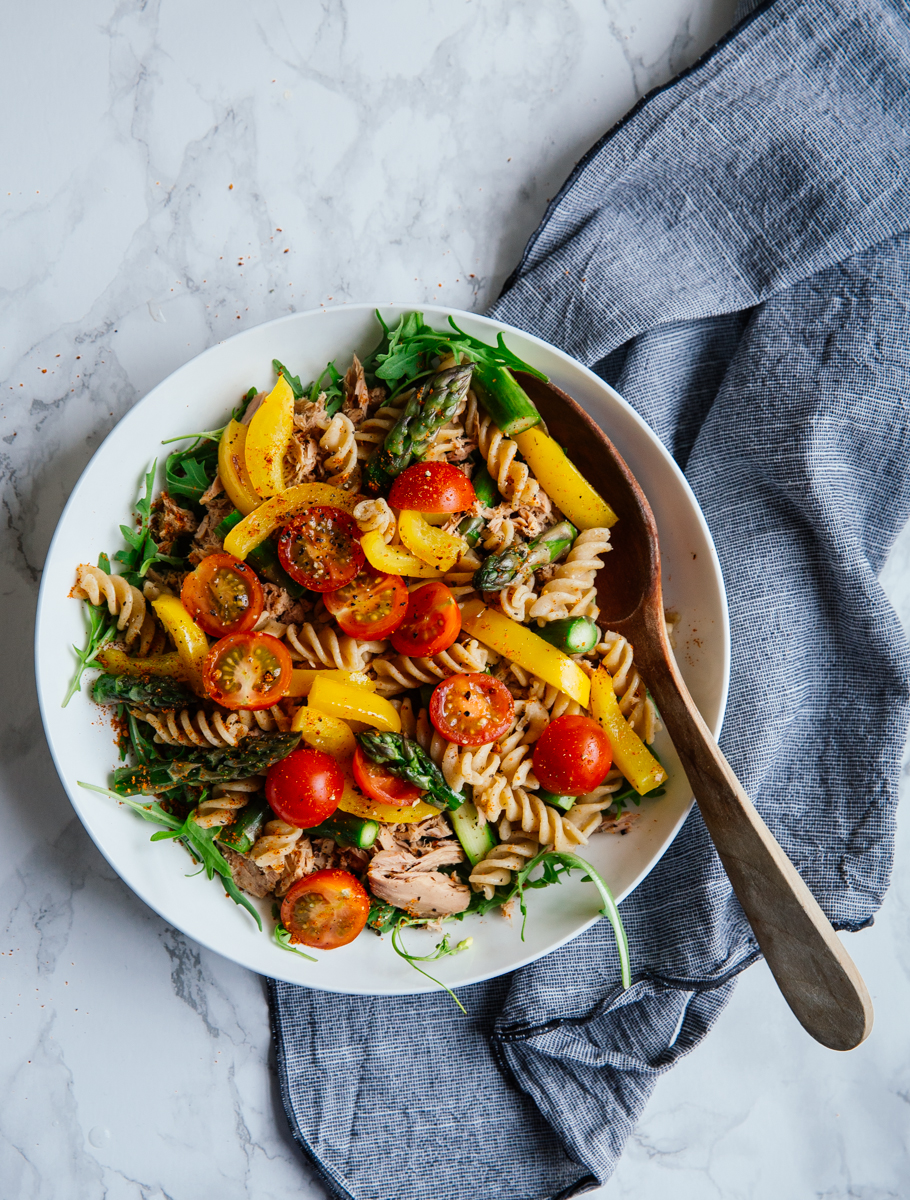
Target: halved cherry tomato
x: 320, y: 548
x: 223, y: 595
x: 472, y: 710
x: 371, y: 605
x: 431, y: 624
x: 434, y: 487
x: 325, y: 910
x: 247, y: 670
x: 380, y: 784
x: 304, y: 788
x: 572, y: 756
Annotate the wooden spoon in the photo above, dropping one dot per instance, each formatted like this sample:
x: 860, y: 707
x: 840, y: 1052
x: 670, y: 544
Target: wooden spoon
x: 813, y: 970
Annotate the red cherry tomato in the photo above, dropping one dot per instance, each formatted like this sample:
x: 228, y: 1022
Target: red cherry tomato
x: 472, y: 710
x: 320, y: 548
x: 223, y: 595
x: 431, y: 624
x: 371, y: 605
x: 325, y: 910
x: 304, y: 788
x: 247, y: 670
x: 380, y: 784
x: 572, y: 756
x: 434, y: 487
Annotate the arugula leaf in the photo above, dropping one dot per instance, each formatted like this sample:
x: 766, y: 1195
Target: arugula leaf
x: 101, y: 628
x: 282, y: 938
x: 406, y: 350
x: 556, y: 866
x: 334, y: 390
x: 190, y: 472
x: 293, y: 380
x: 443, y: 949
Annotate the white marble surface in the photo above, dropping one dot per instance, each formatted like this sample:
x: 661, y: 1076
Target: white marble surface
x: 173, y: 173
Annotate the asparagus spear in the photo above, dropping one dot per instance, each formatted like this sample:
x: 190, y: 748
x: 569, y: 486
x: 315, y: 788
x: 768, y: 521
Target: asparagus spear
x: 408, y: 761
x: 504, y: 398
x: 572, y: 635
x: 138, y: 689
x: 253, y: 756
x: 500, y: 569
x: 434, y: 403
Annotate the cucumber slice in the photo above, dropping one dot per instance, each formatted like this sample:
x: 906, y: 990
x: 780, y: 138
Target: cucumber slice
x: 473, y: 832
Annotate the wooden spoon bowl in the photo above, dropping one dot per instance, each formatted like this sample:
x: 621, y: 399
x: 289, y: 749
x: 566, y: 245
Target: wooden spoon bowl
x: 813, y: 970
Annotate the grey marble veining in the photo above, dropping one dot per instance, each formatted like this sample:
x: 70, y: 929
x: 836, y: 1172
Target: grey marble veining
x: 174, y: 173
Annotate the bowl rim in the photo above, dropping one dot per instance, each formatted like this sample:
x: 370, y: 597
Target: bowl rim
x: 720, y: 637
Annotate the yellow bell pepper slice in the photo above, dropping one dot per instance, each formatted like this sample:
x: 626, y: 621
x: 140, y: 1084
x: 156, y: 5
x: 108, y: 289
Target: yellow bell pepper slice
x: 267, y: 437
x: 323, y: 732
x: 563, y: 482
x: 353, y: 801
x: 232, y: 468
x: 520, y: 645
x: 278, y: 510
x: 432, y: 546
x: 159, y: 666
x: 393, y: 560
x: 348, y: 701
x: 630, y: 754
x: 191, y: 642
x: 302, y: 679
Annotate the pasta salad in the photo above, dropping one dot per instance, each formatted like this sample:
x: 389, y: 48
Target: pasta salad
x: 353, y: 653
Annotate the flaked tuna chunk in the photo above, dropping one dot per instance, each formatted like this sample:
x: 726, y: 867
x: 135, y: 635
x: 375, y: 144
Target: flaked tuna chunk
x: 249, y: 877
x: 416, y: 885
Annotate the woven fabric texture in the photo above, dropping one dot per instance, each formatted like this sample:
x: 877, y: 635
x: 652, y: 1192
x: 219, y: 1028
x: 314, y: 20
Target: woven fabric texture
x: 734, y: 259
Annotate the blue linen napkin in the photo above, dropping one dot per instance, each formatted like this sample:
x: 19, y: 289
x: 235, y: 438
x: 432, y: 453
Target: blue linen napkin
x: 734, y: 258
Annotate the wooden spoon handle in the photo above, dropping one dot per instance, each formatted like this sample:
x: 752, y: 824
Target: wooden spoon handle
x: 813, y: 970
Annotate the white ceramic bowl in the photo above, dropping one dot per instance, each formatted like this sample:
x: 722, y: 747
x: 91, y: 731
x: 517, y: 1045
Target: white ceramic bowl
x: 199, y: 396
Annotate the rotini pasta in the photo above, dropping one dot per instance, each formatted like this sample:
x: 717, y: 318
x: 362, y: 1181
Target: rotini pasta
x: 194, y: 727
x: 571, y: 591
x: 513, y: 478
x: 123, y: 600
x: 225, y: 802
x: 398, y: 673
x: 278, y: 839
x: 324, y: 648
x: 372, y: 431
x: 497, y: 868
x: 374, y: 516
x: 341, y: 465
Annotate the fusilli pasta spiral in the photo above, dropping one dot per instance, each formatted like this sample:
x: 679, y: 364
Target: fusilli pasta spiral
x: 513, y: 806
x: 399, y: 673
x: 517, y: 599
x: 496, y: 869
x: 372, y: 431
x: 324, y: 648
x: 277, y: 839
x: 225, y: 802
x: 513, y: 478
x: 571, y: 592
x: 194, y: 727
x: 124, y: 601
x: 342, y: 461
x: 375, y: 516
